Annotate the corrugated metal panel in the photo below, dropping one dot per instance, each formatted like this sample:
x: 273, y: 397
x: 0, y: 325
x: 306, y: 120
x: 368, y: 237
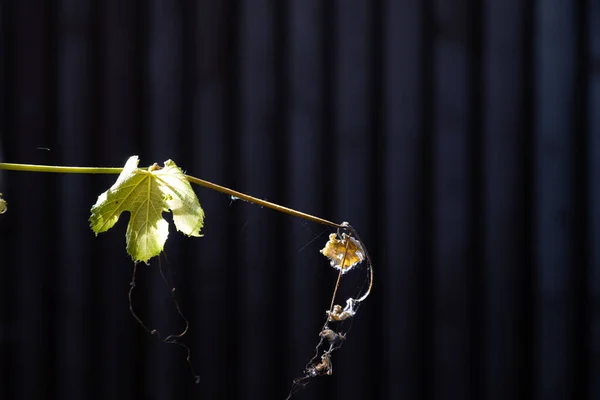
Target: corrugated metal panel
x: 459, y: 137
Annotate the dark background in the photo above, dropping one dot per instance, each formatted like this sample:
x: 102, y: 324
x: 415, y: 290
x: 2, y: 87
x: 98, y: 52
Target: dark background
x: 461, y: 138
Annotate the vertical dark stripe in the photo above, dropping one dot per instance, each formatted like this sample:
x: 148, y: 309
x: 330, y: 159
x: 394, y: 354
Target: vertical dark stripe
x: 8, y: 276
x: 477, y: 175
x: 376, y: 201
x: 188, y: 82
x: 399, y: 269
x: 232, y: 133
x: 118, y: 71
x: 76, y: 83
x: 427, y: 166
x: 582, y: 210
x: 450, y: 239
x: 505, y: 263
x: 258, y: 92
x: 96, y: 100
x: 279, y: 137
x: 163, y: 76
x: 140, y: 61
x: 329, y: 87
x: 593, y: 151
x: 305, y: 138
x: 49, y: 128
x: 50, y: 288
x: 528, y: 287
x: 352, y: 106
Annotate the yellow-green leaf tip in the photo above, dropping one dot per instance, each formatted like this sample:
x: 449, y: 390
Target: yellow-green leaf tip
x: 2, y: 205
x: 146, y: 194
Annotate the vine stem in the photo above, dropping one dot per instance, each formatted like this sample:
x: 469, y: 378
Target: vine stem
x: 339, y: 278
x: 192, y: 179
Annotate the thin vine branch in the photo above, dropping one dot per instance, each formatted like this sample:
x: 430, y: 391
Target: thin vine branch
x: 192, y: 179
x: 59, y: 169
x: 260, y: 202
x: 334, y: 334
x: 339, y: 278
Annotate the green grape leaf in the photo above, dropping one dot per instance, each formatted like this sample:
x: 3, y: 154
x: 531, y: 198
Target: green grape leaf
x: 146, y: 194
x: 2, y: 205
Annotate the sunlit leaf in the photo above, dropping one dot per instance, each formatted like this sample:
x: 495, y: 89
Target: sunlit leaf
x: 146, y: 194
x: 335, y: 250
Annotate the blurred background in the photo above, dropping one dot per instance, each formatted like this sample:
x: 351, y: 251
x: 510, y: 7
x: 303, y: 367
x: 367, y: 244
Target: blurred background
x: 461, y: 138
